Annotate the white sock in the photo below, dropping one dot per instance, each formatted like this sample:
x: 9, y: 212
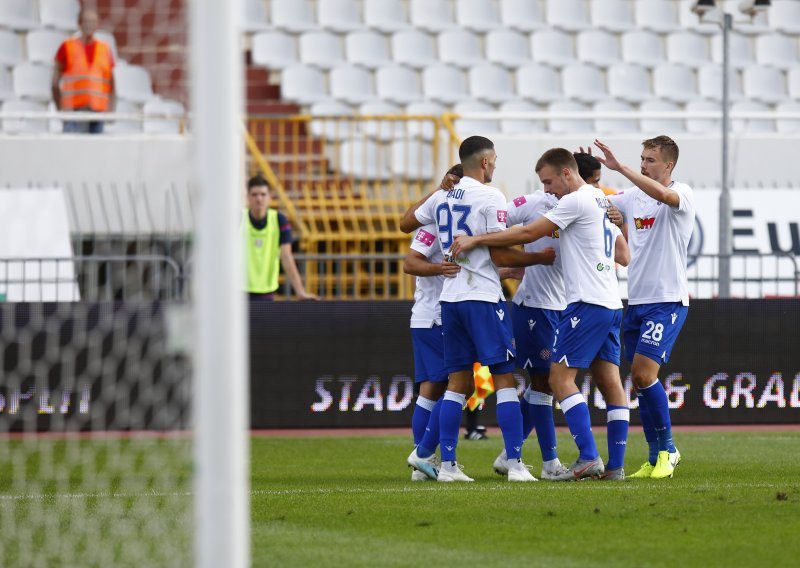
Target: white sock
x: 504, y: 455
x: 449, y: 466
x: 516, y: 464
x: 551, y: 464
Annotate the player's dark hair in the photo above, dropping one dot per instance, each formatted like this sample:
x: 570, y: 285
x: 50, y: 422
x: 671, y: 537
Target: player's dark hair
x: 457, y: 170
x: 473, y: 146
x: 256, y: 181
x: 665, y: 145
x: 587, y: 164
x: 558, y: 158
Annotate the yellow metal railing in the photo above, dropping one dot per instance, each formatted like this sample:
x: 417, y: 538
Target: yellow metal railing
x: 345, y: 181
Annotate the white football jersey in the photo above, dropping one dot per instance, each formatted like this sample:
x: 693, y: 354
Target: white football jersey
x: 587, y: 247
x: 427, y: 310
x: 658, y: 236
x: 470, y: 208
x: 543, y: 286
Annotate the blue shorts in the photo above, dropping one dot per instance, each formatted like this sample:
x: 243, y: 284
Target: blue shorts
x: 587, y: 332
x: 534, y: 331
x: 478, y: 331
x: 428, y: 354
x: 651, y: 329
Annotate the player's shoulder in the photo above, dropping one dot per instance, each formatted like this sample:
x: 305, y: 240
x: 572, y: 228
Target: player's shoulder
x: 682, y: 187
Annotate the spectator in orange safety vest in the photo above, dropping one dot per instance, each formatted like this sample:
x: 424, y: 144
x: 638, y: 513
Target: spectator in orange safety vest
x: 83, y: 78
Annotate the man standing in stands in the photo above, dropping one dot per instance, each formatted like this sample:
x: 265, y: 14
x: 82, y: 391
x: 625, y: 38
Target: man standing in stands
x: 268, y: 238
x: 83, y: 77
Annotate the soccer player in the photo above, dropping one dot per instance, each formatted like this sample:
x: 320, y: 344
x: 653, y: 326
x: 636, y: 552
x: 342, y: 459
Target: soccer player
x: 476, y: 324
x: 587, y: 334
x: 426, y: 261
x: 658, y: 291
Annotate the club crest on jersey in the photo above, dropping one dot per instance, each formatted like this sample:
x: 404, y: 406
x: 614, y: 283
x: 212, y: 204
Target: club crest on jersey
x: 555, y: 234
x: 502, y: 216
x: 425, y: 237
x: 644, y: 222
x: 544, y: 354
x: 519, y: 201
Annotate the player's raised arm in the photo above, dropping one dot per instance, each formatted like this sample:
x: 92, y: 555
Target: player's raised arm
x: 409, y: 222
x: 622, y: 252
x: 519, y: 235
x: 655, y: 187
x: 417, y: 264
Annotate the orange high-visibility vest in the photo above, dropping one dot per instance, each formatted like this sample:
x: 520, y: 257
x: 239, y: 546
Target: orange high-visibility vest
x: 84, y: 85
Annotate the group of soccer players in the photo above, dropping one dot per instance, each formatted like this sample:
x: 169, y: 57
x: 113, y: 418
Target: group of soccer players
x: 567, y: 311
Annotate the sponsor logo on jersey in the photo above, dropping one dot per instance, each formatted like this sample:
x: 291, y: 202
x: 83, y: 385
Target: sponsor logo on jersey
x: 519, y: 201
x: 600, y: 267
x: 644, y: 222
x: 502, y: 216
x: 555, y: 234
x: 425, y: 237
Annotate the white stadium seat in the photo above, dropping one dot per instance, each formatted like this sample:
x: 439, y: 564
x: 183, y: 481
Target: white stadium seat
x: 691, y: 22
x: 386, y: 16
x: 124, y: 127
x: 132, y: 83
x: 351, y: 84
x: 521, y: 125
x: 746, y: 25
x: 364, y: 159
x: 569, y: 15
x: 6, y: 85
x: 687, y: 48
x: 741, y: 50
x: 161, y: 107
x: 339, y: 15
x: 59, y: 14
x: 709, y: 83
x: 18, y: 15
x: 784, y: 15
x: 788, y: 125
x: 42, y: 45
x: 293, y: 15
x: 777, y: 50
x: 414, y: 48
x: 367, y: 48
x: 507, y: 48
x: 304, y: 85
x: 467, y: 127
x: 32, y: 81
x: 642, y: 47
x: 522, y: 15
x: 614, y: 125
x: 412, y: 159
x: 598, y: 48
x: 432, y: 15
x: 793, y: 80
x: 461, y: 48
x: 569, y: 125
x: 321, y: 49
x: 21, y: 125
x: 477, y: 15
x: 445, y: 84
x: 655, y: 126
x: 381, y: 130
x: 765, y: 84
x: 657, y: 15
x: 491, y: 83
x: 10, y: 48
x: 751, y: 124
x: 702, y: 125
x: 274, y: 49
x: 552, y: 47
x: 629, y: 83
x: 539, y: 83
x: 675, y: 83
x: 583, y: 83
x: 254, y: 17
x: 426, y: 130
x: 398, y: 84
x: 612, y: 15
x: 330, y: 129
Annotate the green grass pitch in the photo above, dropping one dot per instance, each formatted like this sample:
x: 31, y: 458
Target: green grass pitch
x: 734, y: 501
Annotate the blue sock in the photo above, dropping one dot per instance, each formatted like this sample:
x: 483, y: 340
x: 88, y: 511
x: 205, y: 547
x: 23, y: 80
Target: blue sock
x: 430, y: 439
x: 449, y: 424
x: 509, y: 418
x: 619, y: 418
x: 580, y: 425
x: 420, y: 417
x: 542, y: 411
x: 649, y: 432
x: 658, y: 405
x: 526, y: 410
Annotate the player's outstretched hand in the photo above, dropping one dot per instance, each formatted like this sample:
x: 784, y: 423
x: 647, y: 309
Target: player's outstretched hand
x: 609, y: 160
x: 449, y: 181
x: 514, y: 273
x: 547, y: 256
x: 615, y: 216
x: 461, y: 245
x: 450, y: 269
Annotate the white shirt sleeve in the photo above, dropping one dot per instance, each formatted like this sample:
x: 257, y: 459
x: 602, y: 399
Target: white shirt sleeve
x: 426, y: 213
x: 424, y: 241
x: 568, y: 209
x: 620, y: 201
x: 496, y: 213
x: 683, y: 205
